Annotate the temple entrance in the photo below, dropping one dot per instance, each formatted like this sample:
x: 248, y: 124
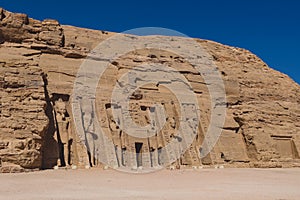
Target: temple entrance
x: 138, y: 151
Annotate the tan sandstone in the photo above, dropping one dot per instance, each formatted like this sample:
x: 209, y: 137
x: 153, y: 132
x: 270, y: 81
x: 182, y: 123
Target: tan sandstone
x: 39, y: 62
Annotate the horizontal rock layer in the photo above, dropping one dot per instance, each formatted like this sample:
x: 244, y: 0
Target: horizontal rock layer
x: 39, y: 62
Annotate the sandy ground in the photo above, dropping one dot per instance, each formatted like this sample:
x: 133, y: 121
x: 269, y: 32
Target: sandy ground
x: 273, y: 184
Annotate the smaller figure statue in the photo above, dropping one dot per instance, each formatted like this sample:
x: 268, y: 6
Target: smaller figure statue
x: 116, y: 138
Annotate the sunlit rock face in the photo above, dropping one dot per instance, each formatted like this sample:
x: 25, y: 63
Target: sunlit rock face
x: 39, y: 63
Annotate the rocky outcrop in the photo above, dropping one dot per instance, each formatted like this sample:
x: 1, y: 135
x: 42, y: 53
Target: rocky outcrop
x: 266, y: 107
x: 23, y: 120
x: 19, y: 28
x: 39, y: 62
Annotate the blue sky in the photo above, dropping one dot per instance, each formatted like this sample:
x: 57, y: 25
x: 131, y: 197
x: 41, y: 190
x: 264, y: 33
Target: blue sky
x: 268, y: 28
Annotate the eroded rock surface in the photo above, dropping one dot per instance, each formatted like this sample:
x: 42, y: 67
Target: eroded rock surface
x: 39, y: 62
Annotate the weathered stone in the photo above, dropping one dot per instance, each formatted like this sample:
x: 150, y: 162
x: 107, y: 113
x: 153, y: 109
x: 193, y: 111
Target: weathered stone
x: 19, y: 28
x: 39, y: 62
x: 11, y: 168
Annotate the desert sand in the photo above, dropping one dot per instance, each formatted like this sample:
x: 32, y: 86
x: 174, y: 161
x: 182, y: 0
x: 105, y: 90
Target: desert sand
x: 262, y: 184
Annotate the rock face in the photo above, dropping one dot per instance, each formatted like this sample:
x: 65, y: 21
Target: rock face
x: 39, y: 62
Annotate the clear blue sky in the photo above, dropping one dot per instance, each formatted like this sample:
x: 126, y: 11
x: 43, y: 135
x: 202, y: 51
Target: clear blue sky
x: 268, y: 28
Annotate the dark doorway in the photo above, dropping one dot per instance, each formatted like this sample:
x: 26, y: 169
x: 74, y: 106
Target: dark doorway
x: 138, y: 151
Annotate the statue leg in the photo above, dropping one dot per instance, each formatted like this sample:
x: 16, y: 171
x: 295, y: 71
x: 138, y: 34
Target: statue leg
x: 124, y: 157
x: 66, y: 153
x: 93, y: 156
x: 91, y: 148
x: 154, y: 158
x: 59, y: 155
x: 119, y: 155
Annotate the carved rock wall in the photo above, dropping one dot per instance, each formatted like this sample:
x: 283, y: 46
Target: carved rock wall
x: 39, y: 62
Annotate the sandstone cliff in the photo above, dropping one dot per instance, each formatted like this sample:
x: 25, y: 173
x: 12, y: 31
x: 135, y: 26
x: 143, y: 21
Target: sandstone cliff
x: 39, y: 62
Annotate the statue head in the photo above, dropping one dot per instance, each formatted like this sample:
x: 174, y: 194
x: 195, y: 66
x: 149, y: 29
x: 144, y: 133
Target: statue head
x: 60, y: 107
